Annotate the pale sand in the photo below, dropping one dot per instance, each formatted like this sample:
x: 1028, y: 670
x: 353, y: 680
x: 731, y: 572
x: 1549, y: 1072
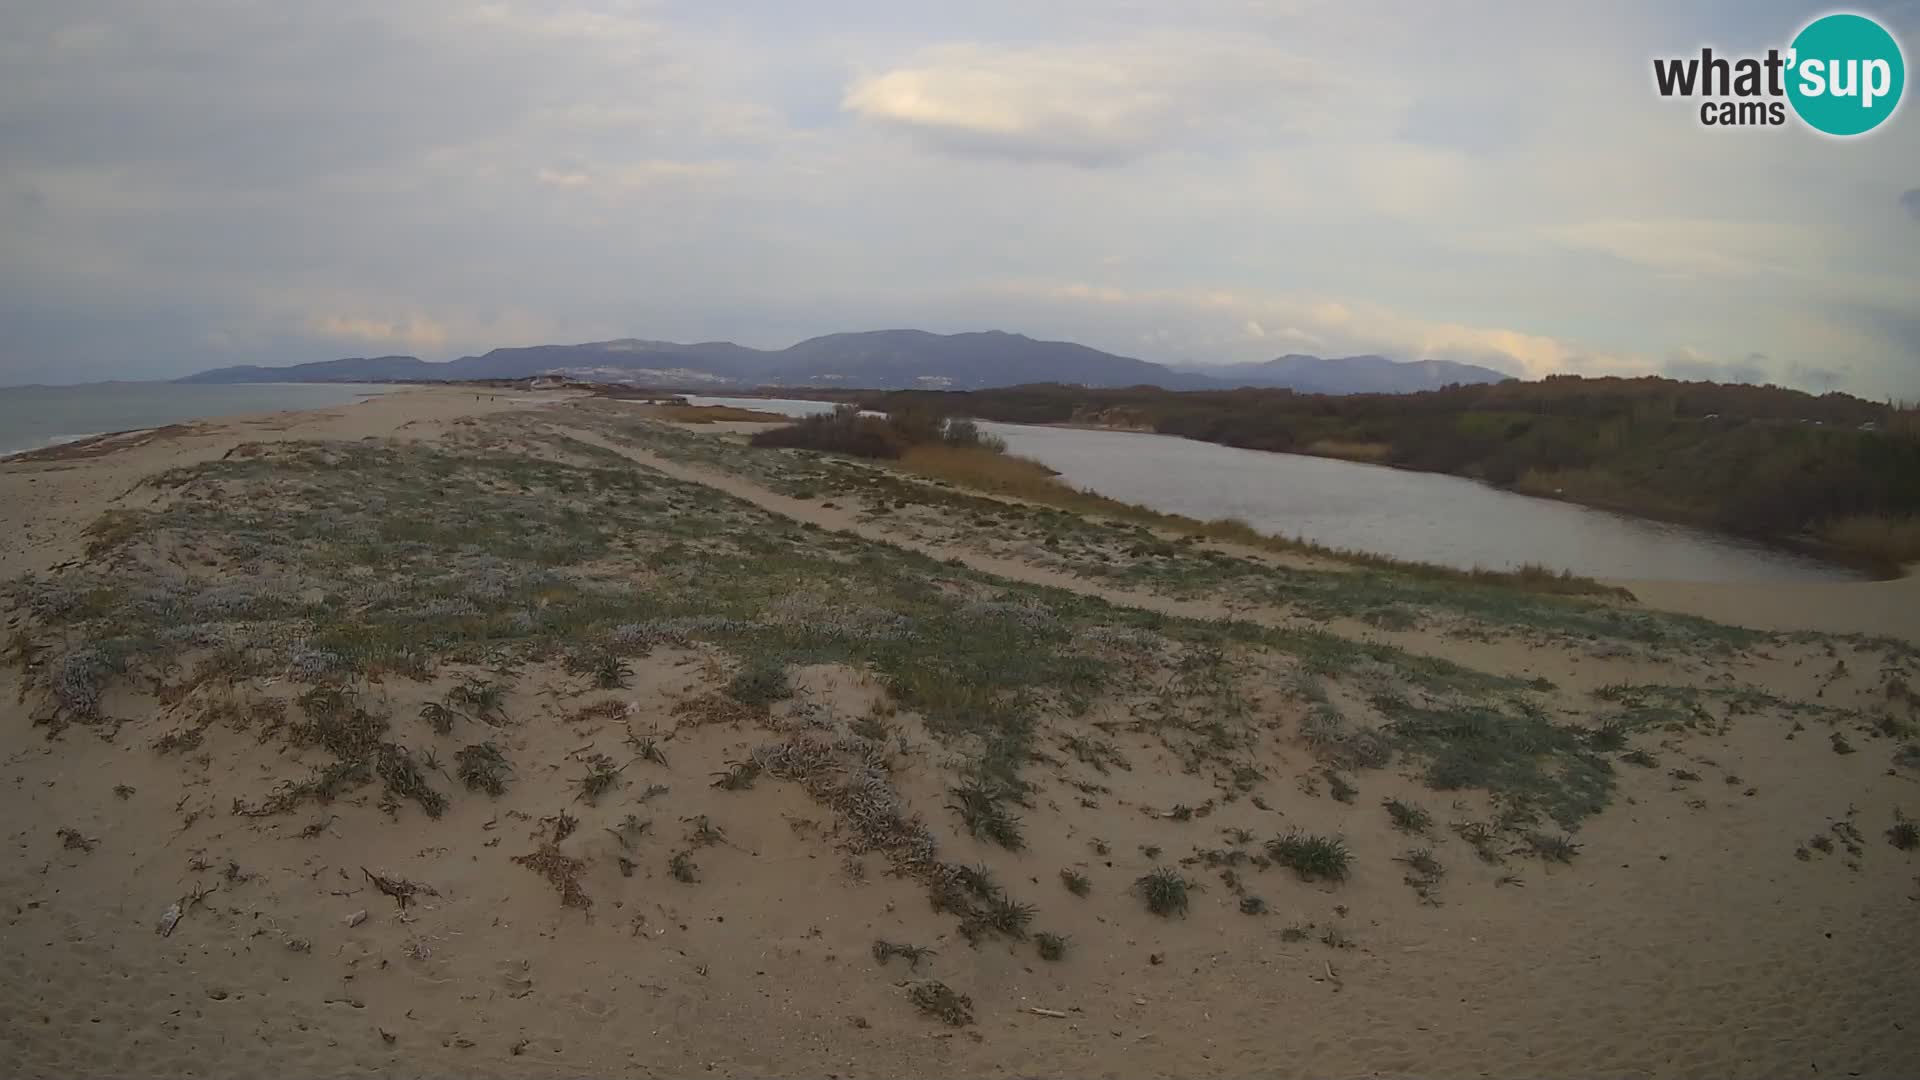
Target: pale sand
x: 1852, y: 607
x: 1685, y: 940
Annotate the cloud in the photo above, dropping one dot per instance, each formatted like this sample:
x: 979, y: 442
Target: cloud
x: 1688, y: 247
x: 1911, y: 200
x: 1209, y: 181
x: 563, y: 179
x: 413, y: 331
x: 1230, y: 325
x: 1097, y: 104
x: 1695, y: 366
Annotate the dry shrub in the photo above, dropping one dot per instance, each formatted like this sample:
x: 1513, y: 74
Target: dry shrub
x: 562, y: 871
x: 1893, y: 539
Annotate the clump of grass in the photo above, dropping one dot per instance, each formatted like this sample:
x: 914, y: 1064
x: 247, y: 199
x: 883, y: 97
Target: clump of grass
x: 484, y: 701
x: 1342, y: 746
x: 1313, y: 858
x: 75, y: 840
x: 1252, y: 905
x: 936, y: 999
x: 404, y: 779
x: 1425, y: 875
x: 702, y: 832
x: 1640, y: 758
x: 1165, y: 891
x: 682, y: 868
x: 602, y: 777
x: 977, y: 880
x: 123, y: 791
x: 761, y: 683
x: 179, y: 740
x: 738, y: 776
x: 1608, y: 737
x: 1683, y: 775
x: 1422, y: 862
x: 1295, y: 933
x: 1052, y: 946
x: 482, y: 767
x: 602, y: 668
x: 1840, y: 744
x: 648, y: 748
x: 1002, y: 915
x: 978, y: 803
x: 1076, y: 882
x: 1904, y: 834
x: 1552, y: 848
x: 1407, y: 817
x: 884, y: 951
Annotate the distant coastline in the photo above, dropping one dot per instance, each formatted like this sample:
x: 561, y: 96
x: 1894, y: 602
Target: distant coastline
x: 40, y: 417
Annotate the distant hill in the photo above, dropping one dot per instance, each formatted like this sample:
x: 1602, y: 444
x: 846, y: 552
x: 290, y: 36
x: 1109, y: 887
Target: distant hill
x: 1368, y: 374
x: 876, y: 359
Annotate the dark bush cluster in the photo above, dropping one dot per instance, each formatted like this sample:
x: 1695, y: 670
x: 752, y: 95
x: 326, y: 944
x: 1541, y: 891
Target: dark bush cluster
x: 847, y: 430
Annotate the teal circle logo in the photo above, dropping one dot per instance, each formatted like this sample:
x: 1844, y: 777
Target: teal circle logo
x: 1845, y: 74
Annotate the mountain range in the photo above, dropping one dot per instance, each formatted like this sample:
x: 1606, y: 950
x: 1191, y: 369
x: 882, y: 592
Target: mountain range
x: 876, y: 359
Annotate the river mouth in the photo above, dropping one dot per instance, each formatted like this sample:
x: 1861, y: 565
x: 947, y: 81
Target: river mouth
x: 1415, y: 516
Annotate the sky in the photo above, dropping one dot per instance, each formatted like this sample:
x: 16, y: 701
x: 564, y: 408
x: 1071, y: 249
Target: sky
x: 210, y: 182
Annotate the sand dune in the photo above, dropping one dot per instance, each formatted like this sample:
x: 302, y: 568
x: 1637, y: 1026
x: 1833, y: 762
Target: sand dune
x: 1736, y: 907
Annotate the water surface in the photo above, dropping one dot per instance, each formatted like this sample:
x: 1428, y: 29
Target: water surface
x: 1429, y: 517
x: 35, y: 416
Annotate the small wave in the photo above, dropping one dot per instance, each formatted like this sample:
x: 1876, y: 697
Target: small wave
x: 57, y: 440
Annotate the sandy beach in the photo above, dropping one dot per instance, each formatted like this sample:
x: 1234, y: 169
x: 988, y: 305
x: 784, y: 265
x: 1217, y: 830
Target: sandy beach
x: 257, y: 668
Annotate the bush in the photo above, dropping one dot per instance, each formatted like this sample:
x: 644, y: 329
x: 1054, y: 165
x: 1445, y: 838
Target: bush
x: 846, y: 431
x: 842, y: 431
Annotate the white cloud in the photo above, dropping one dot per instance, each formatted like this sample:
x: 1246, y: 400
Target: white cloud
x: 411, y: 331
x: 563, y: 179
x: 1106, y: 103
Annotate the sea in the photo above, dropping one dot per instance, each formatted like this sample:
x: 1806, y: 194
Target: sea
x: 32, y: 417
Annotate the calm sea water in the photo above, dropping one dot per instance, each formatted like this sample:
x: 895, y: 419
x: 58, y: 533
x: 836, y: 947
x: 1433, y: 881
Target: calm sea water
x: 35, y: 416
x: 1409, y: 515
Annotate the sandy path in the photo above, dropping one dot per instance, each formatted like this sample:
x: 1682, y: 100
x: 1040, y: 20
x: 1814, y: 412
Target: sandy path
x: 1565, y: 663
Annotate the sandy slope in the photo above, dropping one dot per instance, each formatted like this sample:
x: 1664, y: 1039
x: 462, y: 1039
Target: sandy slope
x: 1852, y: 607
x: 1687, y: 940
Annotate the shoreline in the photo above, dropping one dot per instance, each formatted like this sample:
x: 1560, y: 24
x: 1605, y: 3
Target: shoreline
x: 1876, y: 568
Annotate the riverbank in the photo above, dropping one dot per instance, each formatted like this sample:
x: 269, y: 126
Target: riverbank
x: 540, y: 736
x: 1751, y: 461
x: 1875, y: 547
